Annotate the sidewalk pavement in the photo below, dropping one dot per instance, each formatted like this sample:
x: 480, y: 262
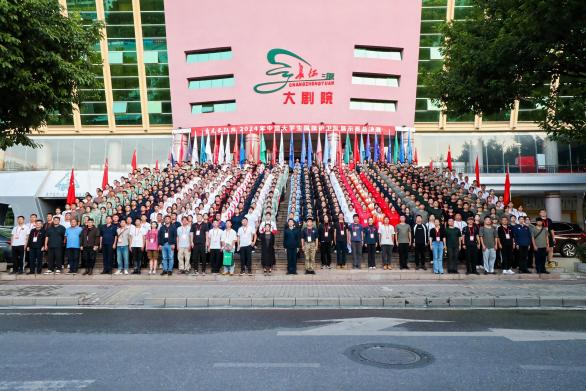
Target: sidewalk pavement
x: 301, y: 292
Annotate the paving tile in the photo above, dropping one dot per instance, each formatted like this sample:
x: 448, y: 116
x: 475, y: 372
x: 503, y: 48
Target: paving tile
x: 197, y: 302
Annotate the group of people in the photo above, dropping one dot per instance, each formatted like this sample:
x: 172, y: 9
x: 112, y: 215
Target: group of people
x: 190, y: 217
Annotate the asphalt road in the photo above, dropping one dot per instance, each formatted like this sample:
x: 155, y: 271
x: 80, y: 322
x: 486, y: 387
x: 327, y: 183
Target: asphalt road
x: 149, y: 349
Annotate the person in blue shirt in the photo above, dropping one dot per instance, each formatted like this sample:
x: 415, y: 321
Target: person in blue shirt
x: 522, y: 236
x: 370, y: 239
x: 167, y: 239
x: 108, y: 243
x: 72, y: 245
x: 356, y: 242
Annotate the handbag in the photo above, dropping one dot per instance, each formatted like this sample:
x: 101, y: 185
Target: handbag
x: 228, y: 258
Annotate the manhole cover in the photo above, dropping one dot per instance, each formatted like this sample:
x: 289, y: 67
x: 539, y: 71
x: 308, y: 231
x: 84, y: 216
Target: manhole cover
x: 385, y: 355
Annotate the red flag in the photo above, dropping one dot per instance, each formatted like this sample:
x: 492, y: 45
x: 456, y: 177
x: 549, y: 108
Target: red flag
x: 381, y: 154
x: 274, y: 154
x: 339, y: 151
x: 216, y: 149
x: 415, y: 157
x: 356, y: 151
x: 477, y: 171
x: 105, y: 175
x: 71, y: 189
x: 431, y: 165
x: 236, y: 160
x: 507, y: 195
x: 133, y: 162
x: 449, y: 159
x: 180, y: 160
x: 157, y: 165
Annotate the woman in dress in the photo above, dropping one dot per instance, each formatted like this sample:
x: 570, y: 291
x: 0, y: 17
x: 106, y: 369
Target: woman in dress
x: 267, y: 249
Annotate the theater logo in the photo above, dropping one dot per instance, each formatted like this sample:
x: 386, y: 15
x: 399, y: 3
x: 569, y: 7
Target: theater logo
x: 291, y: 72
x: 63, y: 184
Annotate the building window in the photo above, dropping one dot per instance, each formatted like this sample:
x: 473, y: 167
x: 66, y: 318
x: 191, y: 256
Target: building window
x: 373, y: 105
x: 224, y: 106
x: 380, y: 52
x: 208, y: 55
x: 375, y: 79
x: 223, y: 81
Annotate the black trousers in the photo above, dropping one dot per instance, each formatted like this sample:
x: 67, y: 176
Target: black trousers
x: 341, y: 250
x: 89, y: 257
x: 55, y: 258
x: 523, y: 250
x: 403, y: 254
x: 540, y: 257
x: 136, y: 256
x: 215, y: 260
x: 198, y: 256
x: 35, y: 260
x: 471, y: 258
x: 325, y: 253
x: 452, y: 259
x: 292, y: 260
x: 73, y: 259
x: 530, y: 256
x: 108, y: 257
x: 17, y: 259
x: 246, y: 259
x: 371, y: 249
x: 507, y: 257
x: 420, y: 250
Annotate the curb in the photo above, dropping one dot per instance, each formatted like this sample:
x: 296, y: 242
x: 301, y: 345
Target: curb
x: 316, y: 302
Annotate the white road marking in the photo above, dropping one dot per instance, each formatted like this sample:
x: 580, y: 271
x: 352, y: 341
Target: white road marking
x: 40, y: 313
x: 553, y: 368
x: 45, y: 385
x: 266, y: 365
x: 380, y: 326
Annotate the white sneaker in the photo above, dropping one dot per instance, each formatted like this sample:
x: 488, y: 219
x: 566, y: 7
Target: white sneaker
x: 511, y: 271
x: 48, y: 272
x: 118, y: 272
x: 125, y: 271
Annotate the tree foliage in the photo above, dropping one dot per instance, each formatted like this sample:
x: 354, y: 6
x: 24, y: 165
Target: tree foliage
x: 528, y: 50
x: 45, y: 61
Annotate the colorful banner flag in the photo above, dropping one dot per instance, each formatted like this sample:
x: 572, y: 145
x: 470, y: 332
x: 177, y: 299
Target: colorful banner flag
x: 291, y: 153
x: 281, y: 150
x: 71, y: 189
x: 303, y: 150
x: 263, y: 149
x: 105, y: 175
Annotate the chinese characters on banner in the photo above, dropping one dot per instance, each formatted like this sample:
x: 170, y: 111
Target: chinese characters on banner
x: 291, y: 128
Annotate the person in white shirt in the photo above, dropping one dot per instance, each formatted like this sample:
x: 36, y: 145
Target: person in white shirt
x: 66, y: 222
x: 32, y: 222
x: 387, y: 240
x: 137, y: 243
x: 246, y: 239
x: 228, y: 240
x: 184, y: 240
x: 458, y: 223
x: 18, y: 241
x: 215, y: 246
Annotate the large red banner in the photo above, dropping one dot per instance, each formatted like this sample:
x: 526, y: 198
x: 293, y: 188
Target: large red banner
x: 291, y: 128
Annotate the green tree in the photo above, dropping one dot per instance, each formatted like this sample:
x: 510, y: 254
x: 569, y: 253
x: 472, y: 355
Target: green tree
x: 45, y: 61
x: 530, y: 50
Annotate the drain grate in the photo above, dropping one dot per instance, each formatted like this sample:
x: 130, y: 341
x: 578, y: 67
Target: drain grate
x: 385, y: 355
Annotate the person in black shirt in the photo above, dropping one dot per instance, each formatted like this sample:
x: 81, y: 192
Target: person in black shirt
x: 471, y: 245
x: 291, y: 241
x: 326, y: 238
x: 420, y: 240
x: 200, y: 243
x: 505, y: 243
x: 54, y: 240
x: 267, y: 239
x: 35, y: 247
x: 342, y: 241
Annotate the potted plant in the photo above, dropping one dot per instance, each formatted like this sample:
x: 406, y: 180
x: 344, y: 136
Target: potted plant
x: 581, y: 254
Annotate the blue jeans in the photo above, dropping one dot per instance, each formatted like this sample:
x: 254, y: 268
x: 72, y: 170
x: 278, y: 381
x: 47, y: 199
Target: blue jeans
x: 122, y: 256
x: 167, y: 253
x: 437, y: 249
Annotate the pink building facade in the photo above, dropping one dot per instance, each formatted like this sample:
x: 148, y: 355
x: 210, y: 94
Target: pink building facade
x: 306, y: 61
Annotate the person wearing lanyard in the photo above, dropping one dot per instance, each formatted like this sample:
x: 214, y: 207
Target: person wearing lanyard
x: 167, y: 240
x: 453, y: 244
x: 437, y: 243
x: 215, y: 247
x: 228, y: 242
x: 471, y: 246
x: 309, y: 245
x: 356, y: 242
x: 184, y: 240
x: 35, y: 247
x: 387, y: 240
x: 108, y: 244
x: 522, y: 236
x: 122, y: 233
x: 73, y: 245
x: 246, y: 239
x: 90, y: 241
x: 371, y: 239
x: 504, y: 242
x: 342, y: 239
x: 200, y: 243
x: 488, y: 237
x: 326, y: 237
x: 152, y: 246
x: 18, y: 243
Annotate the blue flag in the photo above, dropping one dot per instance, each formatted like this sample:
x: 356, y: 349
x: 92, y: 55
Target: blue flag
x: 376, y: 149
x: 291, y: 153
x: 309, y: 151
x: 326, y: 149
x: 389, y: 151
x: 401, y: 150
x: 242, y: 150
x: 303, y: 150
x: 202, y: 150
x: 362, y: 152
x: 368, y: 155
x: 409, y: 148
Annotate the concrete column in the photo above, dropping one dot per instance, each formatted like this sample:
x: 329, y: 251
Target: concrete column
x: 580, y: 210
x: 550, y: 150
x: 252, y: 141
x: 114, y: 155
x: 553, y: 205
x: 44, y: 160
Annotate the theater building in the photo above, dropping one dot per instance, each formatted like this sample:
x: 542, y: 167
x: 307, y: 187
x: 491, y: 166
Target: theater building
x: 241, y: 67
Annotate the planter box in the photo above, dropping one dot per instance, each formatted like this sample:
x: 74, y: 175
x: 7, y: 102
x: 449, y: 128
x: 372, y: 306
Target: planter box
x: 581, y: 267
